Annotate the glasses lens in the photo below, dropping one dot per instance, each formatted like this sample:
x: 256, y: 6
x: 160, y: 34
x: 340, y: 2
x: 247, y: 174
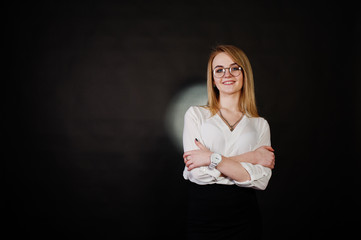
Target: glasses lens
x: 218, y: 72
x: 235, y: 71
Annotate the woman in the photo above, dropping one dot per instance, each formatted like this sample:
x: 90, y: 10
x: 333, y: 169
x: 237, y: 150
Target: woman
x: 228, y: 152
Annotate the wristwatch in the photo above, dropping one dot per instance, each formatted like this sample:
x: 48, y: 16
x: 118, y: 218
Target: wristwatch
x: 215, y: 160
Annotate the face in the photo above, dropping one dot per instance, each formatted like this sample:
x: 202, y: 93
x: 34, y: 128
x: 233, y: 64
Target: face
x: 227, y: 84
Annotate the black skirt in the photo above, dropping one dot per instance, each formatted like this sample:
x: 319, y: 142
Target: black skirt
x: 222, y: 212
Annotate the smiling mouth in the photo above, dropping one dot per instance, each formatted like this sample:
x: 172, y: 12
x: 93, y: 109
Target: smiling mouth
x: 228, y: 82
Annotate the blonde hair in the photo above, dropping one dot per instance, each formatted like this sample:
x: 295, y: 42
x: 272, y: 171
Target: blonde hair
x: 247, y: 101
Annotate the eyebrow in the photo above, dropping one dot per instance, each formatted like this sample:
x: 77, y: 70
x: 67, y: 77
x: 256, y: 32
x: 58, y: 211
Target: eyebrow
x: 223, y: 67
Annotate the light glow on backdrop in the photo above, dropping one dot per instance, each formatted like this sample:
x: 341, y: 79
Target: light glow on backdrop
x: 194, y: 95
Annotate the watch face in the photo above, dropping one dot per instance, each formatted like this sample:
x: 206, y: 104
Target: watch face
x: 216, y: 158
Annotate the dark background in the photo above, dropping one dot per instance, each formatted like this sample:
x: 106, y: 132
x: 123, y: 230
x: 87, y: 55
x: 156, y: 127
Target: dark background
x: 87, y: 153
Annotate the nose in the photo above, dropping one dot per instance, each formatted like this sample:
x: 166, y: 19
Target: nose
x: 227, y: 73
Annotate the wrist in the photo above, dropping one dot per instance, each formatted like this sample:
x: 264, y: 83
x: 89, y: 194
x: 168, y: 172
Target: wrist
x: 215, y: 159
x: 249, y: 157
x: 209, y: 158
x: 252, y: 157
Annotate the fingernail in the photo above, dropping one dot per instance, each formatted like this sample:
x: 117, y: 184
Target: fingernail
x: 197, y: 140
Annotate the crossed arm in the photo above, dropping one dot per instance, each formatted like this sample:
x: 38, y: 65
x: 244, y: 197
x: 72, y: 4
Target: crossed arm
x: 230, y: 166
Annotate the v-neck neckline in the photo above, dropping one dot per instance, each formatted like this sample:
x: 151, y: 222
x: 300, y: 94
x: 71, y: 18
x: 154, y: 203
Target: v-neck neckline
x: 224, y: 124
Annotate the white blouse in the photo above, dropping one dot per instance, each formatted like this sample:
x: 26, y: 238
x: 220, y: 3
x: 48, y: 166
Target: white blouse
x: 212, y: 132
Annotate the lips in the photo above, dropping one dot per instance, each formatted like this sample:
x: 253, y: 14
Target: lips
x: 230, y: 82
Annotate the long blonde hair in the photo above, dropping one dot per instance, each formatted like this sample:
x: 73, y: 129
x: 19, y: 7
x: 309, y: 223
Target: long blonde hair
x: 247, y: 101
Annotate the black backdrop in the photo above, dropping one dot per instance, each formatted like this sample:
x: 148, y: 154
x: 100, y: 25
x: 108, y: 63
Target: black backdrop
x: 88, y: 154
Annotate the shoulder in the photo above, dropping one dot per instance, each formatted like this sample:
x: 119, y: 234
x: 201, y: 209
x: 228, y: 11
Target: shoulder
x: 259, y: 122
x: 197, y: 112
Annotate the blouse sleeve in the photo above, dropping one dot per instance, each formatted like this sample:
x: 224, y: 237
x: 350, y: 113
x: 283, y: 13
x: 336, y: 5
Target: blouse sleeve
x: 191, y: 131
x: 259, y: 174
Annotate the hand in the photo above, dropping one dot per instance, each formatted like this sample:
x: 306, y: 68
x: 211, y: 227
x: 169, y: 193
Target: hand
x: 265, y: 156
x: 197, y: 158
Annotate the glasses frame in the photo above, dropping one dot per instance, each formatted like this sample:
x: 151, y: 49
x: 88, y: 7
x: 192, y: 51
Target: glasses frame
x: 229, y: 70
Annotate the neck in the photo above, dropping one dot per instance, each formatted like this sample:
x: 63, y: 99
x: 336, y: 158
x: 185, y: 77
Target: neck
x: 229, y: 102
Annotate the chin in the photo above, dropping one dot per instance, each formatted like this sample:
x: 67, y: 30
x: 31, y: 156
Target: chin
x: 229, y: 91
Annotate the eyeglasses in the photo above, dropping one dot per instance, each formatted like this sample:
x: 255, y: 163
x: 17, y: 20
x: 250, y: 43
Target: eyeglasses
x: 219, y: 72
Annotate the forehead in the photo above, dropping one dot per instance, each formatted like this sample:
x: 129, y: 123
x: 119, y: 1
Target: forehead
x: 222, y: 59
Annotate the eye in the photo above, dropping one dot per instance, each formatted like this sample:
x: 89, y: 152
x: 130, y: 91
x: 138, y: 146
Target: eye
x: 218, y: 70
x: 235, y: 68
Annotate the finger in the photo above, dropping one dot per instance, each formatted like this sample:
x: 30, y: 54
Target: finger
x: 187, y: 158
x: 269, y: 148
x: 200, y: 145
x: 191, y: 166
x: 186, y: 154
x: 188, y: 163
x: 271, y: 165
